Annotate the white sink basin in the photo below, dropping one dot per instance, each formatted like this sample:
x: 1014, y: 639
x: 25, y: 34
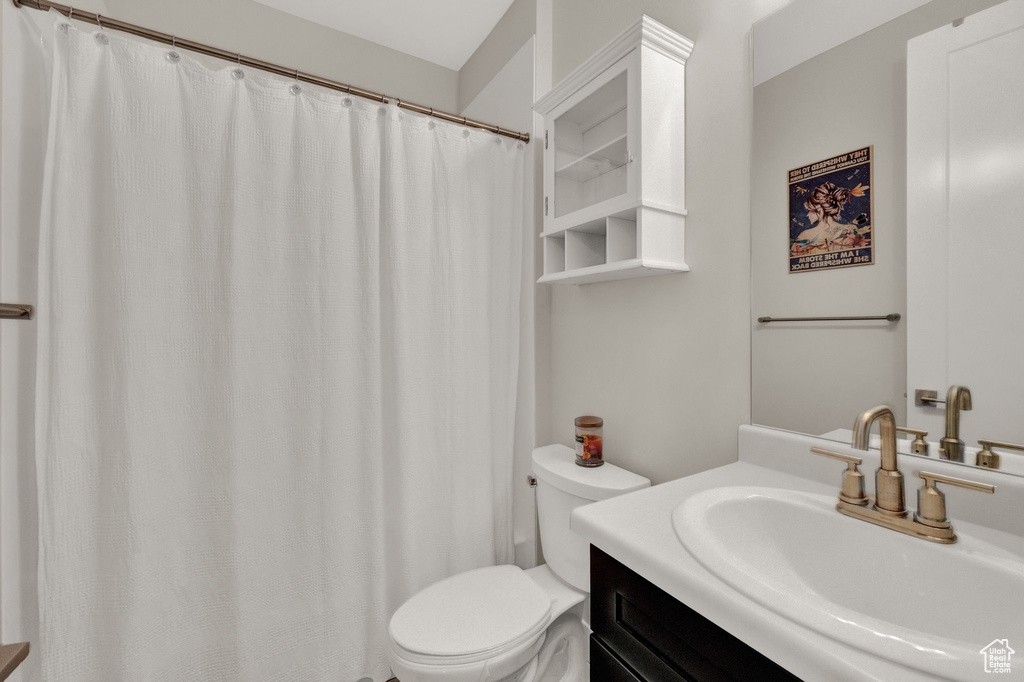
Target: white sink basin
x: 926, y: 606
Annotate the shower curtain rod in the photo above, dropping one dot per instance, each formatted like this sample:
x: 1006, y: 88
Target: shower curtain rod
x: 209, y: 50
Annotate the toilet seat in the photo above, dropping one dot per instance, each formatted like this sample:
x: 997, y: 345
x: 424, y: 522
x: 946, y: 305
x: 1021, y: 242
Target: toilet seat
x: 473, y: 616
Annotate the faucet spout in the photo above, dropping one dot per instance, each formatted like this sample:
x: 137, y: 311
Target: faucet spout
x: 952, y: 447
x: 887, y: 428
x: 889, y: 495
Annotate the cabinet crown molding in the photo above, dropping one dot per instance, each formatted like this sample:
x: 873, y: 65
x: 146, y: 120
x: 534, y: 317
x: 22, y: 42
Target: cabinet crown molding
x: 646, y: 31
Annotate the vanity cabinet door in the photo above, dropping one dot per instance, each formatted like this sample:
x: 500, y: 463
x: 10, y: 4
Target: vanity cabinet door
x: 658, y: 638
x: 606, y: 666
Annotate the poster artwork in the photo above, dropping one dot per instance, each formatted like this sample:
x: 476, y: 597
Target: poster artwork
x: 830, y: 211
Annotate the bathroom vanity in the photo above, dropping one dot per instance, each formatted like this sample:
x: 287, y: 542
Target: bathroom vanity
x: 642, y: 633
x: 748, y: 572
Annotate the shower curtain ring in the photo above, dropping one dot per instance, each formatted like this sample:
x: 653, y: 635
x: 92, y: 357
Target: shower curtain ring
x: 71, y: 13
x: 174, y: 42
x: 99, y: 21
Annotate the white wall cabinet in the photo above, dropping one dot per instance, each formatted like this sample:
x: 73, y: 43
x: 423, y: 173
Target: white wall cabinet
x: 614, y: 196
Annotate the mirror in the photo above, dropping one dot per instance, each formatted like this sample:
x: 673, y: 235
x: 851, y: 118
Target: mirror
x: 958, y: 295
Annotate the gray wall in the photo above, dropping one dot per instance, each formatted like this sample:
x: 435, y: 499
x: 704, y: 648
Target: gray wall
x: 666, y: 360
x: 260, y: 31
x: 518, y: 25
x: 816, y: 377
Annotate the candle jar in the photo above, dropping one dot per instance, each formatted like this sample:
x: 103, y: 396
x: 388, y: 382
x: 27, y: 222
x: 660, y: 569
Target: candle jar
x: 589, y: 445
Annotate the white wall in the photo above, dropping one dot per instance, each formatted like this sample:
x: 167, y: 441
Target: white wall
x: 802, y: 30
x: 501, y: 45
x: 815, y: 378
x: 666, y: 360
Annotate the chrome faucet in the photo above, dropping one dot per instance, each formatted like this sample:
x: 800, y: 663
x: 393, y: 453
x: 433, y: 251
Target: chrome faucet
x: 951, y: 446
x: 890, y: 508
x: 889, y: 496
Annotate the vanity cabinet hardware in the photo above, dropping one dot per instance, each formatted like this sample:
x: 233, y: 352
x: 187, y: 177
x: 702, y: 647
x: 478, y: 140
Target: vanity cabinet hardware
x: 931, y: 502
x: 15, y: 311
x: 920, y: 445
x: 988, y: 459
x: 531, y: 481
x: 853, y: 480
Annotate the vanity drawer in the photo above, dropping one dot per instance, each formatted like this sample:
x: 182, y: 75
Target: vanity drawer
x: 662, y: 639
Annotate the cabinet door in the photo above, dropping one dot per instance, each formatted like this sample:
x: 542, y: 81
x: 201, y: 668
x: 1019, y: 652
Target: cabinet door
x: 661, y: 638
x: 606, y: 666
x: 590, y: 141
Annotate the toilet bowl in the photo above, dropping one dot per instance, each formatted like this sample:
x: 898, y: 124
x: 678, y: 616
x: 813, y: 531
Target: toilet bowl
x: 503, y: 623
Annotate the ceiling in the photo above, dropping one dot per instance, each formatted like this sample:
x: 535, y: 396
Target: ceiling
x: 444, y: 32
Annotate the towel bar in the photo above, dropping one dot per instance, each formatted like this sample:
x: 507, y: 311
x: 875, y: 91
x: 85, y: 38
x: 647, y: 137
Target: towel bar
x: 15, y: 311
x: 891, y: 317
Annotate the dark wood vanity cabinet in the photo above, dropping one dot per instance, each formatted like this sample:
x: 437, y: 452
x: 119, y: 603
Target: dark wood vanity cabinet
x: 643, y: 634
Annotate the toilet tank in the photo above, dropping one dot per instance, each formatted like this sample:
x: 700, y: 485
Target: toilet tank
x: 561, y: 487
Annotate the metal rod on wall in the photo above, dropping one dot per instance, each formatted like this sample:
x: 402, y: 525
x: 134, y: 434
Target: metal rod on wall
x: 891, y: 317
x: 294, y: 74
x: 15, y: 311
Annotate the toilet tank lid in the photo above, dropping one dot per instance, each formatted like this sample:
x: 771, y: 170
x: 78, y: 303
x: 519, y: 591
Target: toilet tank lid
x: 556, y: 466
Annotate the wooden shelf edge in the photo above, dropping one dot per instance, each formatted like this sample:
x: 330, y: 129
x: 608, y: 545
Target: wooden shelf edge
x: 11, y: 656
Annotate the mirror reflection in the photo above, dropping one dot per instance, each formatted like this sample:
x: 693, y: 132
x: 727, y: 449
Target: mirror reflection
x: 933, y: 94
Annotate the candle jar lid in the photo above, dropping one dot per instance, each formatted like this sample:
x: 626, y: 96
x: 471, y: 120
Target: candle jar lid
x: 589, y: 422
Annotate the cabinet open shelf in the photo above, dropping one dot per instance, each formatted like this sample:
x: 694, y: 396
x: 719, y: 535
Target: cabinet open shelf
x: 609, y: 248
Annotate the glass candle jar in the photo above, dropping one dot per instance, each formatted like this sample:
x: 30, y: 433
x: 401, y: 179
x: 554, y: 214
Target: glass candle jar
x: 589, y: 442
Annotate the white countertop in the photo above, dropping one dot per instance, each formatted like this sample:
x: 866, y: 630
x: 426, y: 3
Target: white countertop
x: 636, y: 529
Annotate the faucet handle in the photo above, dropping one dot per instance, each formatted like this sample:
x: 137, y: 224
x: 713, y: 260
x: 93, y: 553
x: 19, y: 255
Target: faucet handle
x: 931, y: 502
x: 987, y: 458
x: 853, y: 480
x: 920, y: 445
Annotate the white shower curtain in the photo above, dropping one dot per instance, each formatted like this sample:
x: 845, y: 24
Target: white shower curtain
x: 278, y: 337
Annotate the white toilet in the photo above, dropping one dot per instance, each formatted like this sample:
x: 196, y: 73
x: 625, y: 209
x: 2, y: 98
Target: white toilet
x: 504, y: 624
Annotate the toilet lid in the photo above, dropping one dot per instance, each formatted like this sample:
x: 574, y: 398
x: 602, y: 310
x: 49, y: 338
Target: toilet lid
x: 474, y: 614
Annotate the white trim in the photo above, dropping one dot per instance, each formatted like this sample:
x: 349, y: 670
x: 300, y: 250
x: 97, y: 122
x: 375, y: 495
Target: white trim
x: 645, y: 31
